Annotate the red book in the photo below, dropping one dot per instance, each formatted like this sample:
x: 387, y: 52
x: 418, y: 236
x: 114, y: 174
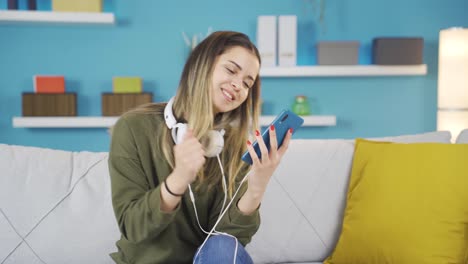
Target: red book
x: 49, y: 84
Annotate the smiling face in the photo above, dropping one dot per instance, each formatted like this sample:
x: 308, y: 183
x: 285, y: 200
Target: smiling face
x: 214, y: 93
x: 234, y: 75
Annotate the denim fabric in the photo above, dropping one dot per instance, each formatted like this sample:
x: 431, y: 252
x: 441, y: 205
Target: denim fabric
x: 220, y: 249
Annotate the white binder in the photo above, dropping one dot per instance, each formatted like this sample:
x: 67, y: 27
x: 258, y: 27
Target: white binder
x: 287, y: 40
x: 267, y: 40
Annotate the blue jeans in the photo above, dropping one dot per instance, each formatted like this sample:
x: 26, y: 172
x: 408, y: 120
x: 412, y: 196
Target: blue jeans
x: 220, y: 249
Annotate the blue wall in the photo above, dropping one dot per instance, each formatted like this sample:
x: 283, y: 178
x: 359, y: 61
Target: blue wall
x: 147, y: 41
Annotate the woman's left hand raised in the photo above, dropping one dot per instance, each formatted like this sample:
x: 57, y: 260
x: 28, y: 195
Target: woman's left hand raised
x: 264, y: 167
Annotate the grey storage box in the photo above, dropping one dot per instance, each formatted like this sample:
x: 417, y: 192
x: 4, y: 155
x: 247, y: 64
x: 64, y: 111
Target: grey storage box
x: 397, y: 51
x: 337, y: 52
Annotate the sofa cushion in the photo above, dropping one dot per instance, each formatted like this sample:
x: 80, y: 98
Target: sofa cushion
x: 406, y: 203
x: 298, y: 213
x: 84, y: 219
x: 462, y: 137
x: 58, y: 200
x: 31, y: 182
x: 303, y: 206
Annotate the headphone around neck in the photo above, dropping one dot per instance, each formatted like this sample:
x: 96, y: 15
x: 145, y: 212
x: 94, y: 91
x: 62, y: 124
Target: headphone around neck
x: 215, y: 142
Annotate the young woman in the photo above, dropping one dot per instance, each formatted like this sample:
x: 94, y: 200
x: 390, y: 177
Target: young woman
x: 154, y: 165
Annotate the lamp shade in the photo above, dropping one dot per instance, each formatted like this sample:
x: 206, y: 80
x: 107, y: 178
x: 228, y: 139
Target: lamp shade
x: 453, y: 80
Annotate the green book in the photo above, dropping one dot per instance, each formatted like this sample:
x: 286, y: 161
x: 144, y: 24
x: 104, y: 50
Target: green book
x: 127, y: 85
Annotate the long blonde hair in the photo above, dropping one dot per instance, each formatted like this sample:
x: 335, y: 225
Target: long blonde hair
x: 194, y: 102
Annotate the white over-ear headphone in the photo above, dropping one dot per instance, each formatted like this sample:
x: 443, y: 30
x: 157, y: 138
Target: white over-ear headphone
x: 215, y: 142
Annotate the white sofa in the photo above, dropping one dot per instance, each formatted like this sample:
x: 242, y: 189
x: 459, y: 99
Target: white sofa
x: 55, y: 206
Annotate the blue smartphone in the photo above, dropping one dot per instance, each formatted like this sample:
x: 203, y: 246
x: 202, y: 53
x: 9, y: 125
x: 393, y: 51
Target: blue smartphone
x: 283, y: 122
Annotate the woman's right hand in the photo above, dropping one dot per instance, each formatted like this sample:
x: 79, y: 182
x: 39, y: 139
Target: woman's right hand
x: 189, y: 158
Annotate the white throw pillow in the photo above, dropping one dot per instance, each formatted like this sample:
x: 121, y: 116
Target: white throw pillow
x: 59, y: 202
x: 463, y: 137
x: 31, y: 182
x: 84, y: 220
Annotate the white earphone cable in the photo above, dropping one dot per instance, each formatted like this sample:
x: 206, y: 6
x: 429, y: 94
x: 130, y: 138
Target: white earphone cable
x: 192, y: 197
x: 224, y: 182
x: 219, y: 219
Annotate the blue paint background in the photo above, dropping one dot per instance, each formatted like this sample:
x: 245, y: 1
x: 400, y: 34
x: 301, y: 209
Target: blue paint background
x: 147, y: 42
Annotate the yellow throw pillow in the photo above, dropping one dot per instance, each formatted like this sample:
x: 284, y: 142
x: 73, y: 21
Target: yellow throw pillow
x: 406, y: 204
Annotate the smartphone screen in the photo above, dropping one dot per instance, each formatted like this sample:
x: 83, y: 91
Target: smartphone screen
x: 283, y: 122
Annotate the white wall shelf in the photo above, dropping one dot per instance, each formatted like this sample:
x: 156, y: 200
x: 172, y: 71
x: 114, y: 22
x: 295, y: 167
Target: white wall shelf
x: 64, y: 122
x: 25, y: 16
x: 105, y: 122
x: 344, y: 70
